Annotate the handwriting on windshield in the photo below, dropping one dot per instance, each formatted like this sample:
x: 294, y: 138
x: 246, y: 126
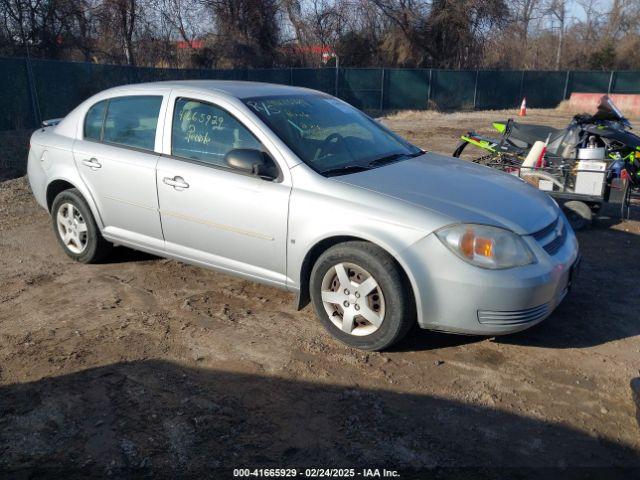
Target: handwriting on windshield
x: 296, y: 111
x: 275, y: 106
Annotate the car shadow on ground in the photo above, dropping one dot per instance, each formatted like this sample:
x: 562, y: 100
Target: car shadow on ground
x: 122, y: 254
x: 421, y: 340
x: 151, y: 418
x: 612, y: 214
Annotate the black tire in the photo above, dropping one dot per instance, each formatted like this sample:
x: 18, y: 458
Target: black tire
x: 400, y: 311
x: 459, y: 148
x: 578, y: 213
x: 625, y: 208
x: 96, y: 247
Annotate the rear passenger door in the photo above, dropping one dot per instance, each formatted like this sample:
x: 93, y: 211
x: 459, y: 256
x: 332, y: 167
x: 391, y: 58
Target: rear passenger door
x: 117, y: 158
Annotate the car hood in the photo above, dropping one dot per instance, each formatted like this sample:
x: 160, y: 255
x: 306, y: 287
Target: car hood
x: 463, y: 191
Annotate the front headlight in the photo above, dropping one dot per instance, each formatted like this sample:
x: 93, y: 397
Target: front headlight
x: 485, y: 246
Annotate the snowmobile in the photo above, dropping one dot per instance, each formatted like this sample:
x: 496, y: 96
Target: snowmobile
x: 594, y: 161
x: 608, y: 128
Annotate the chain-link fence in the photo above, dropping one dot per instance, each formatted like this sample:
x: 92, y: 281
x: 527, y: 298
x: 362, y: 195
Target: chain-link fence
x: 42, y: 89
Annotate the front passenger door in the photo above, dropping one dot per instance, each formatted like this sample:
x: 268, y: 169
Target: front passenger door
x: 211, y: 213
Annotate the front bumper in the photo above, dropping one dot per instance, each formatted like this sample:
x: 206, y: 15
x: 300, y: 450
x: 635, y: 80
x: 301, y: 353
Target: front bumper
x: 455, y: 296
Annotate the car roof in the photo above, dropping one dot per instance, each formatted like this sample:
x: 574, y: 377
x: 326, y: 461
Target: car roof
x: 234, y: 88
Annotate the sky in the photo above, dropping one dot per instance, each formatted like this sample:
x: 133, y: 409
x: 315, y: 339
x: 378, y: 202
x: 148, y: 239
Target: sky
x: 577, y: 12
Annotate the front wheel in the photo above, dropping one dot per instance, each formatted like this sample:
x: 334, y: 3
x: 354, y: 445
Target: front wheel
x: 361, y: 296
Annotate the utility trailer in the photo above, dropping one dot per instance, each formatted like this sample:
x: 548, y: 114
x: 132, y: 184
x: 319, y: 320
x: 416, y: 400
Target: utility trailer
x: 581, y: 188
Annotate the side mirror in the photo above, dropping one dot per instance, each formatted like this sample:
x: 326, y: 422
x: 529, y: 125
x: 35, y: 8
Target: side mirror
x: 252, y: 161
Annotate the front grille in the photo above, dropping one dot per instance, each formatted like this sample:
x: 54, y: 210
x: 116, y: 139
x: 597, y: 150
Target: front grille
x: 514, y: 317
x: 552, y: 237
x: 554, y: 245
x: 541, y: 234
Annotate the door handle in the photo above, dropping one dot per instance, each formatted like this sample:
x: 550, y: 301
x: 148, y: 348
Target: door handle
x: 93, y: 163
x: 176, y: 182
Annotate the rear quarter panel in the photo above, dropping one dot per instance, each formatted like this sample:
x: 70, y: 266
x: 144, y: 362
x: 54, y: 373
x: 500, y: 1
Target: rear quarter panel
x: 51, y: 159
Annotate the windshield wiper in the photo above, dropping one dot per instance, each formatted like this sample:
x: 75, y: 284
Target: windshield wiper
x: 346, y: 169
x: 355, y: 168
x: 392, y: 158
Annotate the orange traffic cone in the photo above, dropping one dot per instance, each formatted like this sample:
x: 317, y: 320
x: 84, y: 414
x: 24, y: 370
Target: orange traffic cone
x: 523, y: 108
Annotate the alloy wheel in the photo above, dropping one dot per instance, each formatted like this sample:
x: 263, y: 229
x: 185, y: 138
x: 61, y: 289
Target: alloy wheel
x: 72, y: 228
x: 352, y: 299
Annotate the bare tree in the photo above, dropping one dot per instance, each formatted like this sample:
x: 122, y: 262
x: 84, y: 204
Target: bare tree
x: 126, y: 16
x: 247, y: 31
x: 264, y: 33
x: 78, y: 18
x: 524, y: 12
x: 32, y: 24
x: 558, y: 10
x: 184, y: 18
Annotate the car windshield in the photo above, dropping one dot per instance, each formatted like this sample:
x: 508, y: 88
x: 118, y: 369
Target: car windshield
x: 329, y: 135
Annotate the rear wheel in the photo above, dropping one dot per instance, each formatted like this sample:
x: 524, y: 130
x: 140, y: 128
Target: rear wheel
x: 76, y: 229
x: 578, y: 213
x: 361, y: 296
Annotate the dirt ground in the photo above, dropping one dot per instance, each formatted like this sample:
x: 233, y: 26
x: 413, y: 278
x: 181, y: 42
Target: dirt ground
x: 144, y: 366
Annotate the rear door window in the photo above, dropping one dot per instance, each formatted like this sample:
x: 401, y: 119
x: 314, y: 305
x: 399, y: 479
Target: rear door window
x: 94, y: 120
x: 132, y: 121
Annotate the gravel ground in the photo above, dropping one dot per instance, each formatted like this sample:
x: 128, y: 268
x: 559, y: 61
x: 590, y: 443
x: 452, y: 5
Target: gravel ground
x: 144, y: 366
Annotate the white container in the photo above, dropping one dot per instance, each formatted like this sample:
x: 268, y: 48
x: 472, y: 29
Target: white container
x: 590, y: 176
x: 591, y: 153
x: 592, y: 165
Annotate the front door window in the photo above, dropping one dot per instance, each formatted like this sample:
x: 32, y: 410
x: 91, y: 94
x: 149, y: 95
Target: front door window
x: 207, y: 133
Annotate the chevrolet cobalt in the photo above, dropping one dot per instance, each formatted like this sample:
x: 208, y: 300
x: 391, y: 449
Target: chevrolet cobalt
x: 300, y: 190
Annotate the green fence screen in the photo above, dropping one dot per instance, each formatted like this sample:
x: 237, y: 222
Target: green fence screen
x: 589, y: 82
x: 270, y: 76
x: 453, y: 89
x: 317, y: 78
x: 544, y: 89
x: 406, y: 89
x: 361, y: 87
x: 626, y: 82
x: 17, y: 109
x: 495, y: 89
x: 41, y: 89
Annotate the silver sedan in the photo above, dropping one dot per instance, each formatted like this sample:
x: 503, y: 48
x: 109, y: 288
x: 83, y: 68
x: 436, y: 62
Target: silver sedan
x: 297, y: 189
